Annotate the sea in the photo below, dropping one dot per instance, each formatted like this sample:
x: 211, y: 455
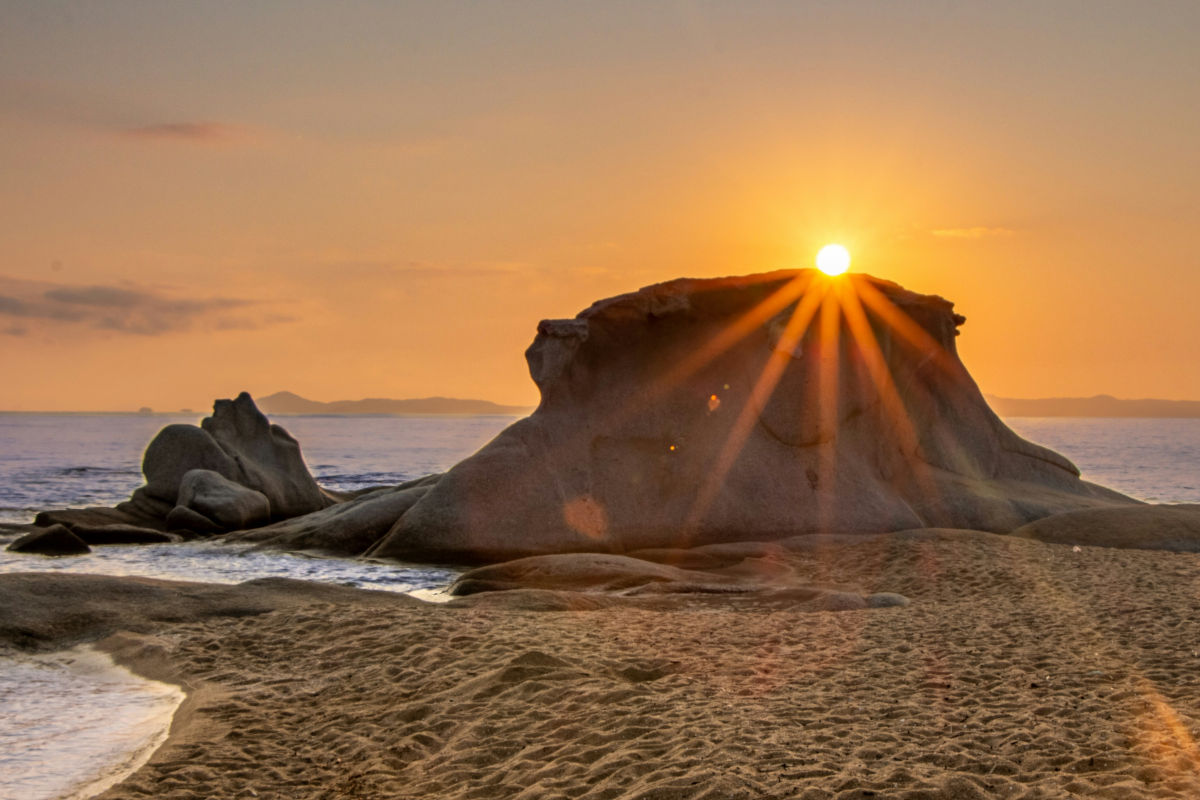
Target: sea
x: 73, y: 460
x: 116, y: 719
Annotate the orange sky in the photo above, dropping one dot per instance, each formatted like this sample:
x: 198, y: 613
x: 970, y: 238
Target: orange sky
x: 381, y: 199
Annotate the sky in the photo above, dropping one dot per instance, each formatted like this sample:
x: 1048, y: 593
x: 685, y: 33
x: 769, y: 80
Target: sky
x: 382, y: 199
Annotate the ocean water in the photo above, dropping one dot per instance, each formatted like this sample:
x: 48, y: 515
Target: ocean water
x: 64, y: 460
x: 1157, y: 460
x: 71, y: 460
x: 74, y: 724
x: 67, y: 460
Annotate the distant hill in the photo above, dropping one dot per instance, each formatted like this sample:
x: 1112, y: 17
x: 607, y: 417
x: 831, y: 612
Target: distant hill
x: 1102, y: 405
x: 290, y: 403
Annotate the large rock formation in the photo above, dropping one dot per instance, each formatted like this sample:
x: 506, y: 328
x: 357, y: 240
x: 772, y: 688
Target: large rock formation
x: 236, y: 470
x: 737, y: 409
x: 238, y: 443
x: 346, y: 529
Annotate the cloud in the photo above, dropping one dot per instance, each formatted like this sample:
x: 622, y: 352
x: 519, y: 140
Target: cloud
x: 96, y: 296
x: 184, y: 132
x: 112, y: 114
x: 127, y: 309
x: 972, y: 233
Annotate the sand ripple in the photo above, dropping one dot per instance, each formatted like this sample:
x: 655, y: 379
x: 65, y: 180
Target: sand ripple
x: 1020, y: 670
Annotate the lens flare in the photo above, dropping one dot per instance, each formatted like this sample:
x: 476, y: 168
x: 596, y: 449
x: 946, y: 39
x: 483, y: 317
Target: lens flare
x: 833, y: 259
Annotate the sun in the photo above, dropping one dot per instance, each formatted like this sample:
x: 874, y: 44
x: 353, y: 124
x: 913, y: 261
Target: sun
x: 833, y: 259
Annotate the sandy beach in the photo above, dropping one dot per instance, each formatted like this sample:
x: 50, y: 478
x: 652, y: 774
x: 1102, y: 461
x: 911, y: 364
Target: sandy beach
x: 1019, y: 670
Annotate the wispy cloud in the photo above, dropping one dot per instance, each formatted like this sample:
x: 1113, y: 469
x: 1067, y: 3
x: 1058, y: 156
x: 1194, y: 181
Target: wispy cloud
x: 127, y: 309
x: 114, y: 114
x: 185, y: 132
x: 972, y: 233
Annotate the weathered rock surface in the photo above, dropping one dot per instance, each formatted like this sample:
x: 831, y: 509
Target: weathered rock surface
x: 238, y: 443
x: 750, y: 408
x: 230, y: 505
x: 1175, y: 527
x: 45, y: 611
x: 95, y: 517
x: 56, y: 540
x: 122, y: 534
x: 579, y: 572
x: 561, y: 575
x: 236, y: 470
x: 185, y: 520
x: 345, y: 529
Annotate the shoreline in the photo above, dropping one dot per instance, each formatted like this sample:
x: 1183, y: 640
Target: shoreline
x: 145, y: 657
x: 121, y: 719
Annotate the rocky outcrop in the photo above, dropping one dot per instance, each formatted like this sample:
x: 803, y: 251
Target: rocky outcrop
x: 50, y: 611
x: 238, y: 443
x: 750, y: 408
x: 345, y: 529
x: 56, y: 540
x: 1168, y: 527
x: 235, y: 470
x: 122, y: 534
x: 230, y: 505
x: 616, y: 575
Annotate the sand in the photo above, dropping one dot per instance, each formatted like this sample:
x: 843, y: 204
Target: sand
x: 1019, y: 670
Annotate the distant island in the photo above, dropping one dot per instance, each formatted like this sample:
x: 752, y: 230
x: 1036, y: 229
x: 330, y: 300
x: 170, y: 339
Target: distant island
x: 291, y: 403
x: 1102, y: 405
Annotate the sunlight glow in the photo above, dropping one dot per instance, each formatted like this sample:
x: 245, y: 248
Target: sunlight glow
x: 833, y: 259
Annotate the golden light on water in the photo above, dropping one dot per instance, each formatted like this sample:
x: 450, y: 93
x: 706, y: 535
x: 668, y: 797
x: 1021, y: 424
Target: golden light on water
x: 833, y: 259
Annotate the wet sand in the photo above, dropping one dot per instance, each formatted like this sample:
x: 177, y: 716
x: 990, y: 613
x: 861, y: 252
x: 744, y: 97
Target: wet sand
x: 1019, y: 670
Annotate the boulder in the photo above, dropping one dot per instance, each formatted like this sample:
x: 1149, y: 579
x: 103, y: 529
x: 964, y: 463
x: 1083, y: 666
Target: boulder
x: 93, y: 517
x: 184, y: 519
x: 239, y: 444
x: 235, y: 471
x: 122, y: 534
x: 49, y: 611
x: 177, y: 450
x: 750, y: 408
x: 1157, y: 527
x: 230, y: 505
x: 345, y: 529
x: 56, y: 540
x: 579, y: 572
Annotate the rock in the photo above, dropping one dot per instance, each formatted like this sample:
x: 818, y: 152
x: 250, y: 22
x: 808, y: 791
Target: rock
x: 886, y: 600
x: 183, y: 518
x: 122, y: 534
x: 706, y: 411
x: 177, y: 450
x: 143, y: 506
x: 575, y: 572
x: 345, y: 529
x: 238, y: 443
x: 1158, y: 527
x: 235, y: 471
x: 95, y: 517
x: 230, y: 505
x: 50, y: 611
x: 56, y: 540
